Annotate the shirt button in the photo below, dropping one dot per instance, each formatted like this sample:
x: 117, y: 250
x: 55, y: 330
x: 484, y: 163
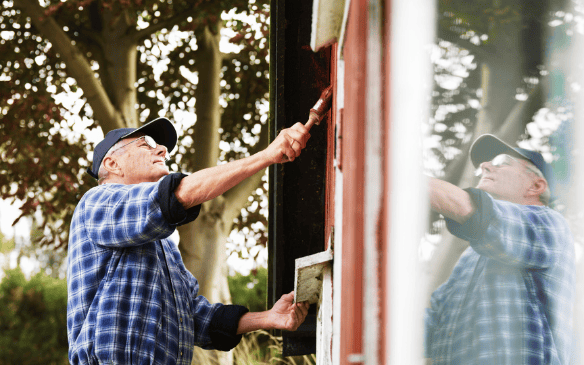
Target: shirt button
x: 181, y: 353
x: 180, y: 319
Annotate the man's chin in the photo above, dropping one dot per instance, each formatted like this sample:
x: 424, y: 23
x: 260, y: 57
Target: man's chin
x: 160, y: 173
x: 164, y: 173
x: 484, y: 184
x: 490, y: 191
x: 483, y: 187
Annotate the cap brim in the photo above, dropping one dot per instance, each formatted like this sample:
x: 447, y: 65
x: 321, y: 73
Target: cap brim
x: 487, y: 147
x: 161, y: 129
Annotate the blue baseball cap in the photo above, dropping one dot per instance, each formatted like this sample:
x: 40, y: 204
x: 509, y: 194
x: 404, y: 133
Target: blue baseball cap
x: 486, y: 147
x: 160, y: 129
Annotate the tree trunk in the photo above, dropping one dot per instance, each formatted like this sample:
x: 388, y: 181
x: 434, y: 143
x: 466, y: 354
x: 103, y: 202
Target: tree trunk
x: 120, y: 55
x: 202, y: 246
x: 202, y: 243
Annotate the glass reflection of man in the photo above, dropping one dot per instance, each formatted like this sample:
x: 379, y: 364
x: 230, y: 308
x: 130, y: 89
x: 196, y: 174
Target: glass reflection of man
x: 509, y: 297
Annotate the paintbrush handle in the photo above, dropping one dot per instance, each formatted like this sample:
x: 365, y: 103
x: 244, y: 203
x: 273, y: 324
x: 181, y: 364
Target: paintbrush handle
x: 321, y: 107
x: 312, y: 120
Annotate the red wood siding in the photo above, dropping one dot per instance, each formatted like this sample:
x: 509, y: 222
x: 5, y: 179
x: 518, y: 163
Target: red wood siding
x: 353, y: 158
x: 329, y: 217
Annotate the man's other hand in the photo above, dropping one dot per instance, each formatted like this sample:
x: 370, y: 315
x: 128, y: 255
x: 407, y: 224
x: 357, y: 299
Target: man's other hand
x: 287, y: 315
x: 284, y: 315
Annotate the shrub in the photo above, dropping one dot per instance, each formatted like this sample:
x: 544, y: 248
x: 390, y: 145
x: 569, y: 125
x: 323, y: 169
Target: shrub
x: 251, y: 290
x: 33, y: 319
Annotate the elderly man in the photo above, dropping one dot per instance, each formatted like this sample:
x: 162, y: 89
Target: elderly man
x: 509, y: 297
x: 130, y: 298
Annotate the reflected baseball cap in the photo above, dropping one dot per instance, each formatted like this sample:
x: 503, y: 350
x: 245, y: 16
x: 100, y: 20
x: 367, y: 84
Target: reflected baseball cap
x: 486, y: 147
x: 160, y: 129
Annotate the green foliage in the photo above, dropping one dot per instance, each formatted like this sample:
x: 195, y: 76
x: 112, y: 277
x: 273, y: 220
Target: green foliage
x: 6, y: 245
x: 33, y: 319
x: 250, y: 290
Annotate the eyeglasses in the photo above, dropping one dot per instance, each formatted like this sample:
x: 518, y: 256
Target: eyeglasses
x: 506, y: 160
x: 149, y: 141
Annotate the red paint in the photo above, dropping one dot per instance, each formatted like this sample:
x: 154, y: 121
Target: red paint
x: 353, y: 157
x: 331, y: 120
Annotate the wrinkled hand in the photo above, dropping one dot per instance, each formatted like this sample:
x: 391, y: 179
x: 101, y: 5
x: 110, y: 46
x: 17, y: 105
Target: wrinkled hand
x: 287, y: 315
x: 288, y: 144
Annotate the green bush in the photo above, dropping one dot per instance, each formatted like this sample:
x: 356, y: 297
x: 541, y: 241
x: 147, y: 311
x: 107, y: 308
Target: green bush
x: 33, y: 319
x: 251, y: 290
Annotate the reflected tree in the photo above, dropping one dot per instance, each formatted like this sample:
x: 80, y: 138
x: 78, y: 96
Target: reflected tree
x: 490, y: 77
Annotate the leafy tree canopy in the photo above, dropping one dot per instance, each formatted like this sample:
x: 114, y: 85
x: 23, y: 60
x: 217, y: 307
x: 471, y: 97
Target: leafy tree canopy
x: 126, y: 62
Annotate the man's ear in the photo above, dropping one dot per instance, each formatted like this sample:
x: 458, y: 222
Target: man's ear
x: 538, y: 186
x: 112, y: 166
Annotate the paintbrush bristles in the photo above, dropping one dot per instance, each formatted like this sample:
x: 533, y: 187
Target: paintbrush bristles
x: 324, y: 103
x: 322, y: 106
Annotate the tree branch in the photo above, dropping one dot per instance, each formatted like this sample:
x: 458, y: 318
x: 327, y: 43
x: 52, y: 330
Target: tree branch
x: 208, y: 92
x: 229, y: 56
x: 166, y: 24
x: 483, y: 51
x: 77, y: 65
x: 521, y: 114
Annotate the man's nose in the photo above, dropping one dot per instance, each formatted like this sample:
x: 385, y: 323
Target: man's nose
x: 486, y: 166
x: 161, y: 150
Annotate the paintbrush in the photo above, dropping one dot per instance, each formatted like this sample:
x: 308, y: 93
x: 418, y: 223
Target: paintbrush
x: 321, y: 107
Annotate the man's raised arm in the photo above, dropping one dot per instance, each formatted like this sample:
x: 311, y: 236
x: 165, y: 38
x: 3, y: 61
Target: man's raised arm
x: 209, y: 183
x: 450, y: 200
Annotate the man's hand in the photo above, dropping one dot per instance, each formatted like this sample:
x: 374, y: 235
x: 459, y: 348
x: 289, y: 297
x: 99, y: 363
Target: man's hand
x: 287, y: 315
x: 284, y: 315
x: 288, y: 144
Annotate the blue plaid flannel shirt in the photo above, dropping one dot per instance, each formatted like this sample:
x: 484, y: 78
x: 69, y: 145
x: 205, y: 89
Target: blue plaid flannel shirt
x: 130, y: 298
x: 509, y: 299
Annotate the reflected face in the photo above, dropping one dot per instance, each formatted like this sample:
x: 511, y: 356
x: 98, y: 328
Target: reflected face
x: 141, y: 162
x: 506, y: 178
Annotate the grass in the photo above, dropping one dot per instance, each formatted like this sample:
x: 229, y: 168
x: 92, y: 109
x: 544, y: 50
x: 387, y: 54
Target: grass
x: 256, y: 348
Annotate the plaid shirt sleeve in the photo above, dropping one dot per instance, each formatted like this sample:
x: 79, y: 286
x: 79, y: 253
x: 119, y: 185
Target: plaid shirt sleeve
x: 124, y: 215
x: 524, y: 236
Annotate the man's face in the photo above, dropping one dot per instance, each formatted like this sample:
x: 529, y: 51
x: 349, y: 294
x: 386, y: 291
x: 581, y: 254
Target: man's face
x: 506, y: 178
x: 142, y: 163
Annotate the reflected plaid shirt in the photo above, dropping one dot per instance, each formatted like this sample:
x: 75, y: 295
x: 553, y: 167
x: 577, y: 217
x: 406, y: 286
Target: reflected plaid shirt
x: 130, y: 298
x: 509, y: 298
